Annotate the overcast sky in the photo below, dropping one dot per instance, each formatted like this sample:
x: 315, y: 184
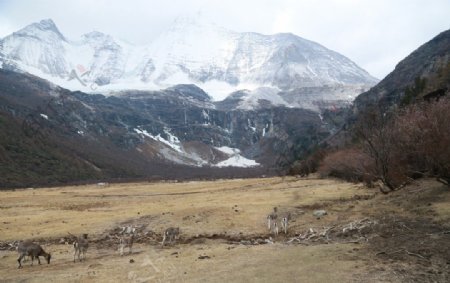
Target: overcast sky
x: 375, y: 34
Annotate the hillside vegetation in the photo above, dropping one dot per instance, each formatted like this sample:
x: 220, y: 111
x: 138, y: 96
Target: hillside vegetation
x: 397, y: 131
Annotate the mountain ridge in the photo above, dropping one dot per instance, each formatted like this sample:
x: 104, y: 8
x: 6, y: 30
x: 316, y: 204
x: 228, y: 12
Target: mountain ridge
x: 429, y: 61
x: 190, y: 52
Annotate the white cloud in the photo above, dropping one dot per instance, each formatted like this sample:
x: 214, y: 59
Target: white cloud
x: 376, y: 34
x: 283, y: 21
x: 5, y: 28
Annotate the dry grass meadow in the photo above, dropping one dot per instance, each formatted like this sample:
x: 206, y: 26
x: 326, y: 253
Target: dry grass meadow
x: 219, y: 221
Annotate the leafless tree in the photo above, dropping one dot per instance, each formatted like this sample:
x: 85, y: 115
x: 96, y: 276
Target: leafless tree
x: 376, y: 132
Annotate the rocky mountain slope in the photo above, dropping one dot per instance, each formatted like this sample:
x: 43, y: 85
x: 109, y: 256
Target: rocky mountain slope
x: 110, y: 125
x: 52, y: 135
x: 190, y: 51
x: 425, y: 70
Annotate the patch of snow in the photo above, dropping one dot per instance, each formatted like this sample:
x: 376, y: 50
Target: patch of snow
x: 253, y: 97
x: 229, y: 150
x: 205, y: 114
x: 236, y: 160
x: 249, y: 123
x: 172, y: 142
x: 321, y: 117
x: 44, y: 116
x: 144, y: 133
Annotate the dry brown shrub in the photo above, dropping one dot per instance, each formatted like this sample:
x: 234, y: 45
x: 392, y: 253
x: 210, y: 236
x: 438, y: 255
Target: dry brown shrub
x: 351, y: 164
x: 309, y: 165
x: 424, y: 138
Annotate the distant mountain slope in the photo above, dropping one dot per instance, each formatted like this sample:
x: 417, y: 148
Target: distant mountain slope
x: 189, y: 52
x: 427, y: 68
x: 425, y: 71
x: 399, y: 130
x: 50, y: 135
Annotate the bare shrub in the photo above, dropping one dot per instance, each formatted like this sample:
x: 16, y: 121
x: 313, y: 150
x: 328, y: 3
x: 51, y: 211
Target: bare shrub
x: 397, y: 146
x: 424, y: 138
x: 378, y: 135
x: 309, y: 165
x: 351, y: 164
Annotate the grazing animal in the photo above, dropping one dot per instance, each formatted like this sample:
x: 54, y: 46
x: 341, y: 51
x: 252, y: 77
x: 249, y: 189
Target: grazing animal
x: 33, y: 250
x: 275, y: 228
x: 126, y: 241
x: 272, y: 218
x: 80, y: 247
x: 128, y: 230
x: 284, y: 223
x: 171, y: 234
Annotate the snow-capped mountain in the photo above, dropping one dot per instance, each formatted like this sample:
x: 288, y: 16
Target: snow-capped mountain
x: 189, y: 52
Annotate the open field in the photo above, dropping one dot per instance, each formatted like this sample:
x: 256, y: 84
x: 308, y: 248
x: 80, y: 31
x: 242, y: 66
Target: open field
x: 221, y: 221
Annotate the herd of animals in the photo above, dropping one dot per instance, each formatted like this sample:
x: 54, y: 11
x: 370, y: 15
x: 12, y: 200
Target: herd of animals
x: 126, y: 240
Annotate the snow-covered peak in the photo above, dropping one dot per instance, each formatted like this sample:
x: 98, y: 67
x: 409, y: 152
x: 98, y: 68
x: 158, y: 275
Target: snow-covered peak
x: 38, y: 48
x: 47, y: 24
x: 98, y: 40
x: 41, y: 30
x: 194, y: 43
x: 96, y: 35
x: 191, y: 51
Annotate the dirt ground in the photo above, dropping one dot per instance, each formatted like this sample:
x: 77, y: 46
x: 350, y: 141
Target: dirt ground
x: 365, y: 236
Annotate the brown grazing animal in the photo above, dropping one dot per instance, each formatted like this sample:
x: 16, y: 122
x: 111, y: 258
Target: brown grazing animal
x: 80, y: 246
x: 33, y: 250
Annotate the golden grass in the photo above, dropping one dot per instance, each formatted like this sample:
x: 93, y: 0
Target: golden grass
x: 53, y: 212
x: 237, y: 207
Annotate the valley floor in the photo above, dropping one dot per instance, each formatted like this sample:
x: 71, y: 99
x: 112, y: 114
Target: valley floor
x: 365, y: 237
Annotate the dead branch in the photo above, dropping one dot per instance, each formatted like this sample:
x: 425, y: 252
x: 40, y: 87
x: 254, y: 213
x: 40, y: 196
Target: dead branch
x: 402, y: 250
x: 314, y: 234
x: 414, y: 254
x: 386, y: 253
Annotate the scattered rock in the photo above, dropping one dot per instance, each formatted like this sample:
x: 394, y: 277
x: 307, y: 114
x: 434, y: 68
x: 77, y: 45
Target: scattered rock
x: 320, y: 213
x: 203, y: 257
x: 131, y: 260
x: 175, y: 253
x: 260, y: 241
